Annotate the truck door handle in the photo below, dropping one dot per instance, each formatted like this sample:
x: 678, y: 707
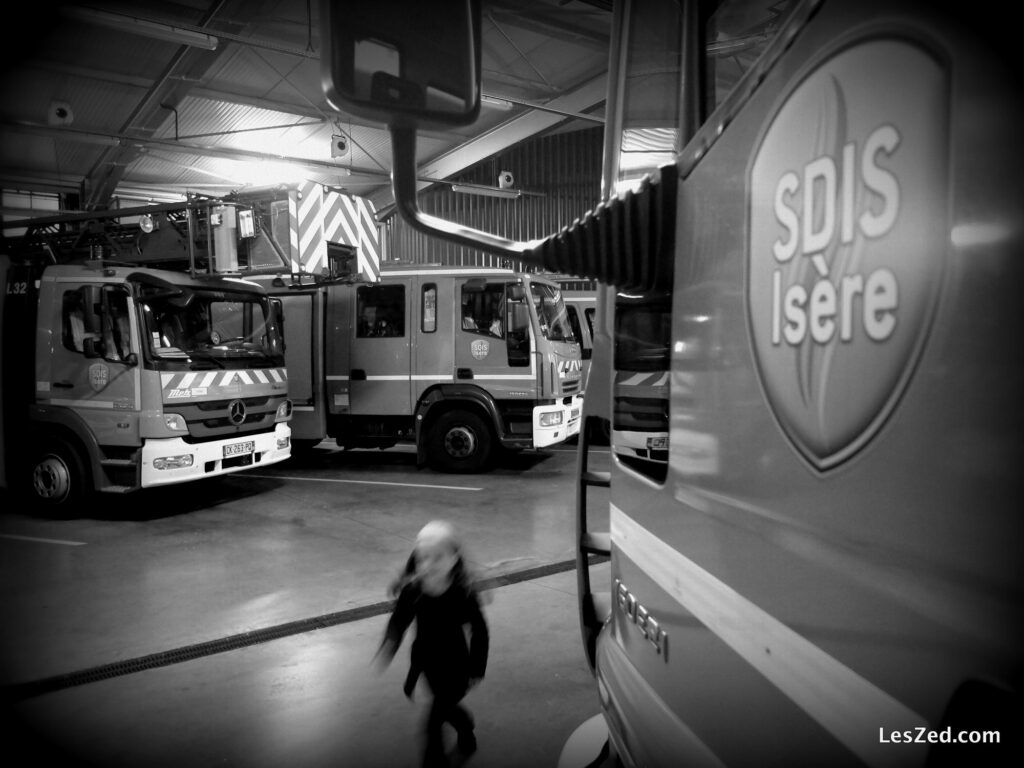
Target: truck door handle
x: 463, y: 373
x: 357, y: 374
x: 63, y: 384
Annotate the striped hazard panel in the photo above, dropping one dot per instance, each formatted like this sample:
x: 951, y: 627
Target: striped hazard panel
x: 210, y: 385
x: 630, y: 379
x: 320, y: 216
x: 569, y: 367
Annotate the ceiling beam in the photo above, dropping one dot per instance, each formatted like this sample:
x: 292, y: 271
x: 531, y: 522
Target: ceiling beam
x: 138, y: 144
x: 591, y: 94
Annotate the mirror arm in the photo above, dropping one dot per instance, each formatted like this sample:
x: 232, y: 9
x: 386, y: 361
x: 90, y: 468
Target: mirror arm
x: 626, y: 241
x: 403, y: 182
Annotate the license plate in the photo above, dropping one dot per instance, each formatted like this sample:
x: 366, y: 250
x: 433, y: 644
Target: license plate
x: 238, y: 449
x: 657, y: 443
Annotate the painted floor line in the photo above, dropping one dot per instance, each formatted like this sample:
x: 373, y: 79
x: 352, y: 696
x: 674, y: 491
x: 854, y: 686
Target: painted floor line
x: 363, y: 482
x: 21, y: 691
x: 62, y: 542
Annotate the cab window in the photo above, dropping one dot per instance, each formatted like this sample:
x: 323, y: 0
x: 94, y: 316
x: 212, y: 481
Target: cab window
x: 483, y: 309
x: 380, y: 311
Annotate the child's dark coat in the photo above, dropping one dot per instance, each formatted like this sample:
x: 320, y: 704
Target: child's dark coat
x: 440, y: 651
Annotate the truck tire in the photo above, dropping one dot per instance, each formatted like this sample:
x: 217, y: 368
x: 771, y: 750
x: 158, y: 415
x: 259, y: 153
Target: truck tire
x: 57, y: 479
x: 459, y: 442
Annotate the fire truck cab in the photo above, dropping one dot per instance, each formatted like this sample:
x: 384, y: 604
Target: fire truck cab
x: 458, y: 361
x: 140, y: 370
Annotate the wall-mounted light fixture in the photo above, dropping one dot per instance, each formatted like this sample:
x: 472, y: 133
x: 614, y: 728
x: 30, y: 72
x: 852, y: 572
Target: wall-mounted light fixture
x: 144, y: 27
x: 479, y: 189
x: 495, y: 102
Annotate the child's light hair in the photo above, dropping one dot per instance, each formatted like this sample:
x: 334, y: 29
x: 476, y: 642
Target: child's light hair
x: 438, y: 532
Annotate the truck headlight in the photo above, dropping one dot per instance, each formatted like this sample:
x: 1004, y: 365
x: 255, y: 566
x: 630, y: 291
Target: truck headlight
x: 173, y: 462
x: 175, y: 422
x: 284, y: 411
x: 551, y: 419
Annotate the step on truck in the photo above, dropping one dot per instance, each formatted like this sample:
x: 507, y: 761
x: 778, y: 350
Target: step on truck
x: 460, y: 362
x: 118, y: 377
x: 825, y: 570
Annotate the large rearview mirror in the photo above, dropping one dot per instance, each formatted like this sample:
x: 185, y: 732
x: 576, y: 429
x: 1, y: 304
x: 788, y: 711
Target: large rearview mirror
x: 409, y: 63
x: 407, y: 60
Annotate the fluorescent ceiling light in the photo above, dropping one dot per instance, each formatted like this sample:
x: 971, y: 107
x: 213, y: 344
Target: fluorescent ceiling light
x: 144, y: 27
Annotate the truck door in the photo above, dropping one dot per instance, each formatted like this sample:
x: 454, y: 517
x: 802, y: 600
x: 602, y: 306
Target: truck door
x: 482, y: 340
x: 380, y: 359
x: 94, y: 365
x: 303, y: 338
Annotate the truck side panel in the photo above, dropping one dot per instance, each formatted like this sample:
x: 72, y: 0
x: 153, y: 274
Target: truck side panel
x: 433, y: 360
x: 853, y: 557
x: 303, y: 337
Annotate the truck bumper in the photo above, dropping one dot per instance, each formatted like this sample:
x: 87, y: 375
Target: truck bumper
x: 174, y: 461
x: 570, y: 408
x: 642, y: 445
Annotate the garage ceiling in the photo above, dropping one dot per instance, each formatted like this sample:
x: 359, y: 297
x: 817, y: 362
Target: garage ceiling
x: 107, y: 101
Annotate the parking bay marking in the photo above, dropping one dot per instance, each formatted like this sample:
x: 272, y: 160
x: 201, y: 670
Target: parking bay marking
x: 364, y: 482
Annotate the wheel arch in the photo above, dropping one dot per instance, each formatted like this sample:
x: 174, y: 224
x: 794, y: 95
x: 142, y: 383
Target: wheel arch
x: 64, y: 424
x: 443, y: 398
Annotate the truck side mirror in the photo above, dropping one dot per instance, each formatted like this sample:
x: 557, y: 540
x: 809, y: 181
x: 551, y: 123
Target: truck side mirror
x: 410, y: 62
x: 92, y: 322
x: 92, y: 304
x: 277, y: 318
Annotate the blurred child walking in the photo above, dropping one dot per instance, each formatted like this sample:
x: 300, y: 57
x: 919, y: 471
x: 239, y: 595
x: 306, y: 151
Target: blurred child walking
x: 436, y: 592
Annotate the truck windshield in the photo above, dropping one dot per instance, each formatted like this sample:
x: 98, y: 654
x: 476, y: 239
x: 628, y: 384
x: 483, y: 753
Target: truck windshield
x: 737, y: 32
x: 642, y: 334
x: 207, y: 329
x: 554, y: 320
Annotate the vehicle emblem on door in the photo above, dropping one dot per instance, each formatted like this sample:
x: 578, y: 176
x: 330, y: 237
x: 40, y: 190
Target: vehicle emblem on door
x: 847, y: 243
x: 480, y: 348
x: 236, y: 412
x: 99, y: 376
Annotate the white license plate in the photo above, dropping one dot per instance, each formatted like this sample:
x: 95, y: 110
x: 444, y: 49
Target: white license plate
x: 657, y: 443
x: 239, y: 449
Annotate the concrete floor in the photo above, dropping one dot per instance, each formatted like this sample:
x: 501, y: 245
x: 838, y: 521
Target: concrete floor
x: 234, y: 623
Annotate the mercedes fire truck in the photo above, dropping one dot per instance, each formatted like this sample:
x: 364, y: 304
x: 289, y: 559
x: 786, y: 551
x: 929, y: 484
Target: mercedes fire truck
x: 121, y: 371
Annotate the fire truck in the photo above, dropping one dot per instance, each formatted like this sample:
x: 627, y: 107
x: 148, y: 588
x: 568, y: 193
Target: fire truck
x: 580, y: 297
x: 134, y: 356
x: 639, y: 415
x: 830, y: 191
x: 461, y: 362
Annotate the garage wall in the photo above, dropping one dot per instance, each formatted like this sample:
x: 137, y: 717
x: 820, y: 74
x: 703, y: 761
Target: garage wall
x: 560, y: 179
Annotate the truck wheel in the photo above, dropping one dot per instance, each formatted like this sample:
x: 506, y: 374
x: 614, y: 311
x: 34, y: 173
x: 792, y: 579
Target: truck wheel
x: 460, y: 441
x: 58, y: 477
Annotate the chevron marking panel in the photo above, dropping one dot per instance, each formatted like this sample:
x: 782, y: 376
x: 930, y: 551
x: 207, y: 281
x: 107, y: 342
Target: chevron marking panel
x: 321, y: 216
